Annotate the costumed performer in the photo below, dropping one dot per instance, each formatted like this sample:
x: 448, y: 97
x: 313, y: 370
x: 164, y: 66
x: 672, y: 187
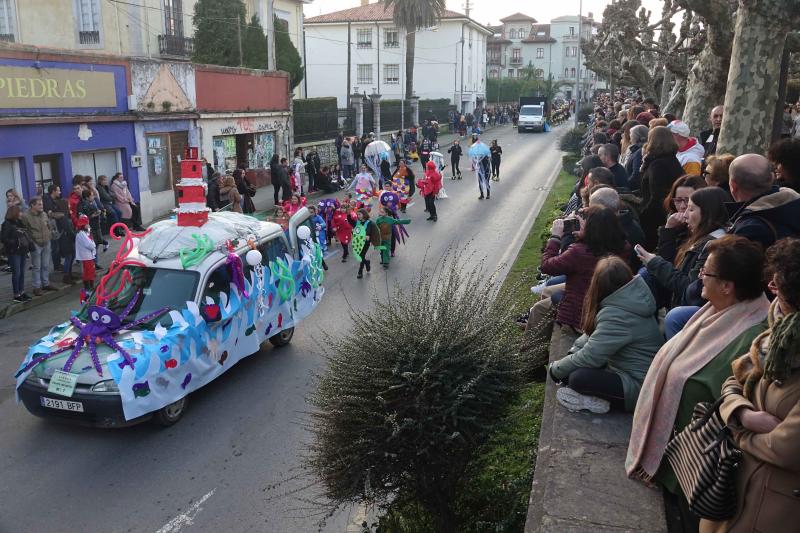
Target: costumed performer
x: 364, y: 185
x: 294, y: 204
x: 455, y: 157
x: 404, y: 184
x: 386, y: 223
x: 365, y: 233
x: 430, y: 186
x: 479, y: 153
x: 342, y: 224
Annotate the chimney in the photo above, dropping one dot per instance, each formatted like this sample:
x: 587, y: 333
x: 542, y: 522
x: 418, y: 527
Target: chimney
x: 364, y: 3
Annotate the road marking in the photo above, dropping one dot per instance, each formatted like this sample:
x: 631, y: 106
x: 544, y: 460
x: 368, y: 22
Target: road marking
x: 186, y: 518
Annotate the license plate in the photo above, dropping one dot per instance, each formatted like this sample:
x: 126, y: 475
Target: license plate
x: 64, y: 405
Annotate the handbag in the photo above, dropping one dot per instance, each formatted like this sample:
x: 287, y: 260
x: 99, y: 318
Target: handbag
x: 706, y: 461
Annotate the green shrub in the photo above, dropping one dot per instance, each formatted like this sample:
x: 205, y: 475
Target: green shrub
x: 584, y: 113
x: 572, y: 140
x: 413, y: 390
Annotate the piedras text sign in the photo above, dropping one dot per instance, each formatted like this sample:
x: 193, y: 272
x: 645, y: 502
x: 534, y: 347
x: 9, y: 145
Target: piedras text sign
x: 32, y: 88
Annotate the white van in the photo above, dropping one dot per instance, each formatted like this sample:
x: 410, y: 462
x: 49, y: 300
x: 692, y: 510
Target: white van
x: 531, y: 117
x: 204, y: 322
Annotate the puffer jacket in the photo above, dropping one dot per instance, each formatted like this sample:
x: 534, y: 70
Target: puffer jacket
x: 577, y: 262
x: 624, y: 341
x: 767, y: 218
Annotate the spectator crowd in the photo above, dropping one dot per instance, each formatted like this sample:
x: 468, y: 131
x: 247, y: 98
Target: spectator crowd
x: 674, y: 273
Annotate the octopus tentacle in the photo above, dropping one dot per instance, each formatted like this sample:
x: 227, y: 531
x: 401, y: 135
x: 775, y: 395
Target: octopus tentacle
x: 146, y: 318
x: 42, y: 358
x: 125, y: 355
x: 74, y: 355
x: 95, y: 358
x: 130, y: 305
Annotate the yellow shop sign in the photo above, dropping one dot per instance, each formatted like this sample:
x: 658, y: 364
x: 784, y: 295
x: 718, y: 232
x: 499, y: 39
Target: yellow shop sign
x: 32, y: 88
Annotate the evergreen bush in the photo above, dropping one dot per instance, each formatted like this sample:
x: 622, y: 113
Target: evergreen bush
x: 572, y: 141
x: 413, y: 389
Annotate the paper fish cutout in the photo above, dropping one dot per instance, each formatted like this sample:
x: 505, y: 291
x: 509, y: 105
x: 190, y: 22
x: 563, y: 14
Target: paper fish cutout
x: 124, y: 363
x: 161, y: 382
x: 140, y: 390
x: 186, y: 380
x: 170, y: 363
x: 211, y: 313
x: 269, y: 328
x: 223, y: 357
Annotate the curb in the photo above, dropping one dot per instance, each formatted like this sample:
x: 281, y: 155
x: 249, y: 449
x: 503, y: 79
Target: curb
x: 10, y: 309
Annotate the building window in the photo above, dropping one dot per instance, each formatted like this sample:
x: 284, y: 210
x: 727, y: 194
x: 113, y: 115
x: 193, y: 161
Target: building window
x: 572, y: 72
x: 89, y: 19
x: 522, y: 34
x: 538, y: 73
x: 391, y: 39
x: 493, y: 74
x: 470, y: 36
x: 566, y: 72
x: 511, y: 73
x: 572, y: 31
x: 391, y: 74
x: 173, y: 18
x: 364, y: 38
x: 540, y: 53
x: 512, y: 34
x: 516, y: 55
x: 8, y: 22
x: 364, y: 74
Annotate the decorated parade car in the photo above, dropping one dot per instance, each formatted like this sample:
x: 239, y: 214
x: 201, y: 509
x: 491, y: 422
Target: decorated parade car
x: 180, y: 304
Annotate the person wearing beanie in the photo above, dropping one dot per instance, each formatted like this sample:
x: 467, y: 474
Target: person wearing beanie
x: 690, y: 151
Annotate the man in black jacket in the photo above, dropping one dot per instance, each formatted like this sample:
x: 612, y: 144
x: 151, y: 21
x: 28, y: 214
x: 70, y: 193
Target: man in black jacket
x: 762, y: 212
x: 709, y: 138
x: 609, y: 155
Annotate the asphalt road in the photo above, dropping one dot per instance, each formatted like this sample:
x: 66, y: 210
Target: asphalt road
x: 233, y: 463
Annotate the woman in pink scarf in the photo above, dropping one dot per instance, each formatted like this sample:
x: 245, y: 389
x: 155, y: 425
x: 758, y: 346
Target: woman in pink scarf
x: 692, y: 366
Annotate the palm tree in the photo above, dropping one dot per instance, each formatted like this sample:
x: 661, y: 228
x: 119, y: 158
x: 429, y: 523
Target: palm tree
x: 412, y: 15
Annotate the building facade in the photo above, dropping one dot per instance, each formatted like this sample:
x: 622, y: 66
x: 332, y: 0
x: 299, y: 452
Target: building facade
x: 63, y: 113
x: 450, y: 58
x: 143, y: 28
x: 521, y: 47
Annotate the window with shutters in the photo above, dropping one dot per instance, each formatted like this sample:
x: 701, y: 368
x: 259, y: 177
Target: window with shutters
x: 89, y: 21
x: 540, y: 53
x: 572, y: 72
x: 364, y: 38
x: 8, y: 21
x: 566, y: 72
x: 364, y: 74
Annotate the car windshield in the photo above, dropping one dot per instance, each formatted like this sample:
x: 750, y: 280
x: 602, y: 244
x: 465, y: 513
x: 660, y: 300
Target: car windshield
x: 160, y: 288
x: 531, y: 110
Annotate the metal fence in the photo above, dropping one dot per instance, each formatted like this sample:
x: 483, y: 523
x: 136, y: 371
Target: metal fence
x: 323, y: 125
x: 391, y: 115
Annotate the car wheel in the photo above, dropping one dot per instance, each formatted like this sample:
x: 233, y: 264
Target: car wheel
x: 170, y: 414
x: 283, y: 338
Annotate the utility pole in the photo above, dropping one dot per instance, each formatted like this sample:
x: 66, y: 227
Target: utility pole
x: 271, y: 62
x: 578, y: 77
x: 239, y: 38
x: 467, y: 8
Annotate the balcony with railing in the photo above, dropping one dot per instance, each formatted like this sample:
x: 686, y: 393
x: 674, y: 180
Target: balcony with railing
x: 89, y: 37
x: 7, y: 37
x: 495, y: 61
x: 516, y: 60
x: 175, y: 45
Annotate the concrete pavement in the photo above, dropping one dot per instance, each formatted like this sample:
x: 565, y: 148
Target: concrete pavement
x: 234, y: 462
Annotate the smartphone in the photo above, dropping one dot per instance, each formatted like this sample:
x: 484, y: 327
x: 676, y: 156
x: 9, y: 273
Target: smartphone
x: 639, y: 250
x: 571, y: 225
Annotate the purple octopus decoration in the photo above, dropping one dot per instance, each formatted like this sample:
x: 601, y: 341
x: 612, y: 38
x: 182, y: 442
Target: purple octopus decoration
x: 103, y: 324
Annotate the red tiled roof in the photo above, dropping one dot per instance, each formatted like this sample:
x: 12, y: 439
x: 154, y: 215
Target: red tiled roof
x: 534, y: 36
x: 516, y: 17
x: 369, y: 13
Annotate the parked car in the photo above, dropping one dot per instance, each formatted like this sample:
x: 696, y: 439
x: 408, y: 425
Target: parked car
x: 180, y: 323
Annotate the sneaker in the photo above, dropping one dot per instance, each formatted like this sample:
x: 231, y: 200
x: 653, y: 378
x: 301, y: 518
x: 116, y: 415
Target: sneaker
x: 37, y: 291
x: 359, y: 275
x: 19, y: 299
x: 434, y: 219
x: 369, y: 266
x: 537, y: 289
x: 385, y: 266
x: 480, y: 197
x: 488, y: 196
x: 344, y: 259
x: 25, y: 297
x: 574, y: 401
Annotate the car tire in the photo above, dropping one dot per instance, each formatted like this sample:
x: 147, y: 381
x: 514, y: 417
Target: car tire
x: 283, y: 338
x: 172, y: 413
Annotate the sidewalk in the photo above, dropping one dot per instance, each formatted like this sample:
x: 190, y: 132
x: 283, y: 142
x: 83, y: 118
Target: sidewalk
x: 263, y: 202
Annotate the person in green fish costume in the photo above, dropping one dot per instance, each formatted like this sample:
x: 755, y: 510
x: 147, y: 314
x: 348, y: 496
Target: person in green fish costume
x: 385, y: 221
x: 365, y: 233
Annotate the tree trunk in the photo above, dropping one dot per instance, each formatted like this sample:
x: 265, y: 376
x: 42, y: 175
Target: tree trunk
x: 707, y: 82
x: 760, y: 37
x: 677, y: 99
x: 411, y: 41
x: 665, y: 88
x: 777, y: 121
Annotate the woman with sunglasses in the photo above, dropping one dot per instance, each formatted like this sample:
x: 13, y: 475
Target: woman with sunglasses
x: 692, y: 366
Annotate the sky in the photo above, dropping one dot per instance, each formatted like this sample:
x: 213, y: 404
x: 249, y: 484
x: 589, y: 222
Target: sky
x: 491, y: 11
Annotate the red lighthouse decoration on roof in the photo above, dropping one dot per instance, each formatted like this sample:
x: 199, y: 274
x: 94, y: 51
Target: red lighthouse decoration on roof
x: 192, y: 210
